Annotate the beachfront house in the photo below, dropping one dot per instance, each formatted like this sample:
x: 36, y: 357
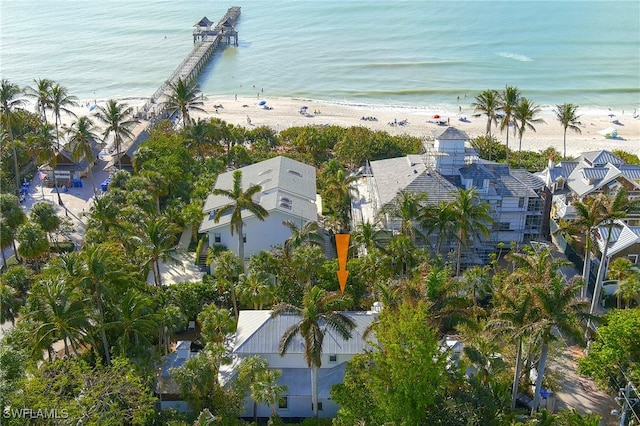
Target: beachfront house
x: 447, y: 165
x: 288, y: 193
x: 589, y: 174
x: 259, y: 334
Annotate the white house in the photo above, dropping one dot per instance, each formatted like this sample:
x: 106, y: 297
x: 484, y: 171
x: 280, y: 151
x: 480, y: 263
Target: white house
x: 259, y: 334
x: 288, y: 193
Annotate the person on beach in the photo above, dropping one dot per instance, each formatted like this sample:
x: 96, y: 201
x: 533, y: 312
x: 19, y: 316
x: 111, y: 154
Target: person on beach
x: 248, y: 120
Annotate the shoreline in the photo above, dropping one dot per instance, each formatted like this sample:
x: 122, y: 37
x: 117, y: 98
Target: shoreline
x: 285, y: 113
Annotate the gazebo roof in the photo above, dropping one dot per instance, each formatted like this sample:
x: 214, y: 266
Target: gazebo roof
x: 204, y: 22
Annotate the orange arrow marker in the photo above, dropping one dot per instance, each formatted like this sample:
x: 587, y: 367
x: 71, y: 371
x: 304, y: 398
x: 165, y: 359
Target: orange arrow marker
x: 342, y: 249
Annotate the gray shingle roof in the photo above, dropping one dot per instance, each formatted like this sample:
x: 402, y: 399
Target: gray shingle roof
x: 279, y: 173
x: 450, y: 133
x: 395, y: 174
x: 529, y: 179
x: 475, y: 171
x: 435, y: 186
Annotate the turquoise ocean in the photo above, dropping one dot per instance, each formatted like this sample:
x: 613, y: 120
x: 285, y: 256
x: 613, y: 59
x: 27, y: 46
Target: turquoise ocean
x: 380, y: 52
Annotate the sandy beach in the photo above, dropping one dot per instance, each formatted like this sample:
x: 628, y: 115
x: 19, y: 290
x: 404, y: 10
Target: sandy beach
x: 285, y: 112
x: 282, y: 113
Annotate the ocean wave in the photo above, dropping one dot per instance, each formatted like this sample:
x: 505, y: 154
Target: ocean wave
x: 515, y: 56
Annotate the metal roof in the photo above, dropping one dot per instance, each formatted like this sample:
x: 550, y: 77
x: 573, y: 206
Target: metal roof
x: 259, y: 333
x: 528, y: 178
x: 600, y: 158
x: 623, y: 236
x: 594, y: 173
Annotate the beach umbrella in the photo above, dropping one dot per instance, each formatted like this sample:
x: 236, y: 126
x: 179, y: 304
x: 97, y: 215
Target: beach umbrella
x: 261, y: 103
x: 612, y: 115
x: 436, y: 116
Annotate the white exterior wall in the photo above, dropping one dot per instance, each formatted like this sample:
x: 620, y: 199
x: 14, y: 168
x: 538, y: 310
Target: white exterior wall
x: 451, y: 158
x: 260, y: 235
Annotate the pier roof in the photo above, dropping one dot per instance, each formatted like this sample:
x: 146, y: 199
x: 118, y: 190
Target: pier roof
x: 204, y: 22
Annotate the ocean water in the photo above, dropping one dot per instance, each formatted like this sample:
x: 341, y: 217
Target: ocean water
x: 382, y: 52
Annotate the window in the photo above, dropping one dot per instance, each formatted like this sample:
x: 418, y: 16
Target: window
x: 283, y: 403
x: 319, y: 406
x: 521, y: 202
x: 217, y: 237
x: 501, y: 226
x: 333, y: 358
x: 633, y: 258
x: 244, y: 238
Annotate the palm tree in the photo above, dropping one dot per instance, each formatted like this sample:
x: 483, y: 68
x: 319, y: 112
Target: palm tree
x: 524, y: 116
x: 59, y: 101
x: 266, y: 390
x: 135, y: 322
x: 514, y: 314
x: 46, y: 153
x: 184, y: 96
x: 440, y: 219
x: 307, y: 234
x: 629, y: 288
x: 406, y: 207
x: 241, y: 201
x: 98, y: 273
x: 319, y: 312
x: 156, y: 240
x: 227, y: 269
x: 507, y: 103
x: 591, y: 214
x: 472, y: 217
x: 617, y: 208
x: 619, y: 270
x: 370, y: 237
x: 61, y: 313
x: 118, y: 118
x: 215, y: 324
x: 33, y: 242
x: 255, y: 289
x: 487, y: 103
x: 80, y: 137
x: 566, y: 114
x: 9, y: 103
x: 11, y: 217
x: 41, y: 92
x: 556, y: 308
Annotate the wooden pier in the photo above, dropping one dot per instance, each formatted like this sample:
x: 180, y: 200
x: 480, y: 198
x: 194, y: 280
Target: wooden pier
x: 206, y: 39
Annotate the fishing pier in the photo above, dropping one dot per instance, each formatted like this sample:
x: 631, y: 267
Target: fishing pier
x: 206, y: 39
